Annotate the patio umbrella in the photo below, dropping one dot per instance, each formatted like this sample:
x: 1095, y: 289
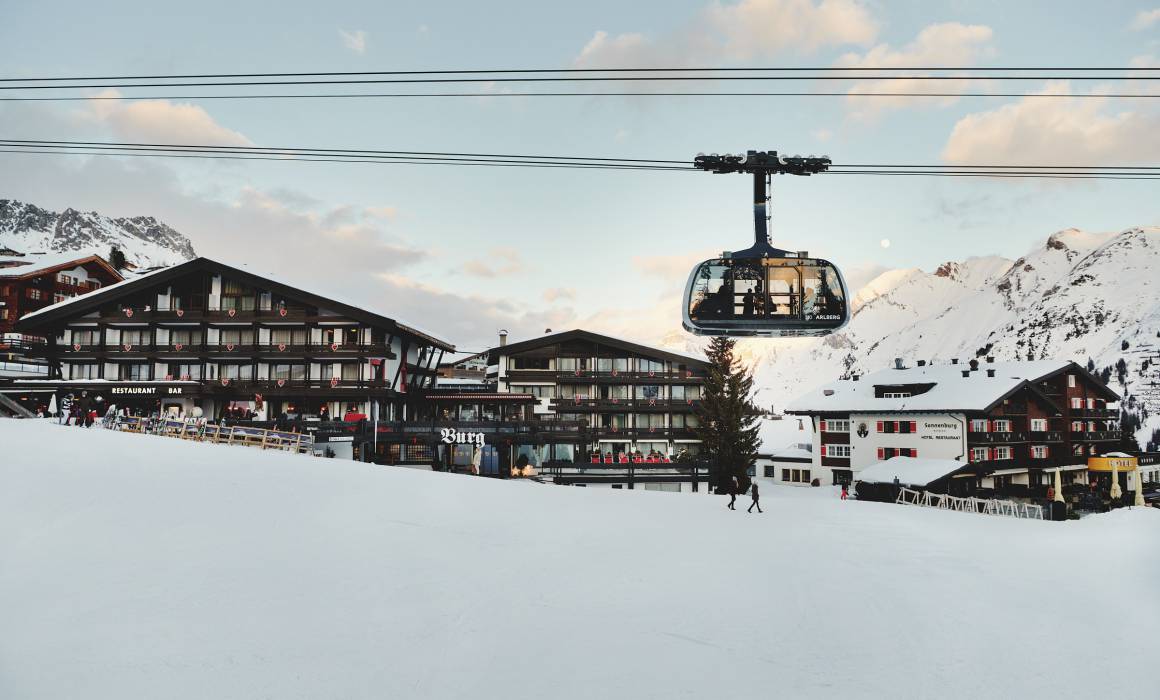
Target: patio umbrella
x: 476, y: 459
x: 1116, y: 492
x: 1058, y: 487
x: 1139, y: 500
x: 52, y: 405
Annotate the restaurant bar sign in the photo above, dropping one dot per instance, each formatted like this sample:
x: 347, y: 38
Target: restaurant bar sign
x: 451, y: 436
x: 145, y: 390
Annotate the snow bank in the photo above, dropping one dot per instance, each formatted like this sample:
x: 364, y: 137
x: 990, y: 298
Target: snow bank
x: 135, y: 566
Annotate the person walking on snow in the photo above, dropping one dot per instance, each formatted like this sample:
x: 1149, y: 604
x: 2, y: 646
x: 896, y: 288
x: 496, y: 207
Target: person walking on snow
x: 732, y: 493
x: 753, y: 492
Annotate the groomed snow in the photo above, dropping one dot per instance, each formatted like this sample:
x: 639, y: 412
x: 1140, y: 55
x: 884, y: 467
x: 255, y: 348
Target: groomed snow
x: 134, y: 566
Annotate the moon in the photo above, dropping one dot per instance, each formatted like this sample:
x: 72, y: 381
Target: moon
x: 885, y: 243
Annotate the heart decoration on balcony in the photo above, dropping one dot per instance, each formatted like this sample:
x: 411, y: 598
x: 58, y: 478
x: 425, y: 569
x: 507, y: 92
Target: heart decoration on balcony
x: 178, y: 346
x: 229, y: 346
x: 616, y: 401
x: 127, y: 346
x: 577, y: 373
x: 652, y: 402
x: 231, y: 313
x: 615, y: 429
x: 76, y: 346
x: 690, y: 402
x: 651, y: 373
x: 333, y: 382
x: 652, y: 430
x: 282, y: 311
x: 128, y: 313
x: 615, y: 372
x: 169, y: 377
x: 688, y: 373
x: 281, y: 347
x: 180, y: 313
x: 185, y: 377
x: 225, y: 381
x: 281, y: 382
x: 334, y: 346
x: 576, y: 400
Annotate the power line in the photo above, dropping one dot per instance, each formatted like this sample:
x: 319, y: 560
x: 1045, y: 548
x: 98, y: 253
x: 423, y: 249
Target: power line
x: 354, y: 95
x: 509, y: 71
x: 382, y: 157
x: 573, y: 79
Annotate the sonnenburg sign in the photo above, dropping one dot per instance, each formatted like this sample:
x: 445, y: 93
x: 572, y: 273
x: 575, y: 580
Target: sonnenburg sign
x: 451, y: 436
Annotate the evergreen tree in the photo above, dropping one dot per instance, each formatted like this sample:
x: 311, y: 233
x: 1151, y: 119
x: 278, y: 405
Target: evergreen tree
x: 728, y: 417
x: 117, y: 258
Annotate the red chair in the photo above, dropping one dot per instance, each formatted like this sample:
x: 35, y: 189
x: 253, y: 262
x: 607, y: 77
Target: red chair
x: 623, y: 458
x: 636, y: 459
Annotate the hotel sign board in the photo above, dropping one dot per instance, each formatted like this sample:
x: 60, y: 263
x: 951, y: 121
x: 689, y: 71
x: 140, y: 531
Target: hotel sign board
x: 451, y: 436
x: 941, y: 430
x: 148, y: 390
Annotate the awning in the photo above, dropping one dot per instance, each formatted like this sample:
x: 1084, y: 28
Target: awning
x: 1006, y: 472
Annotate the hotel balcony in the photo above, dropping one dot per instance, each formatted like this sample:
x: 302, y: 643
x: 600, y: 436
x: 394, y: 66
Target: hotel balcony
x: 321, y: 351
x: 996, y: 438
x: 573, y: 405
x: 1098, y: 436
x: 1046, y: 436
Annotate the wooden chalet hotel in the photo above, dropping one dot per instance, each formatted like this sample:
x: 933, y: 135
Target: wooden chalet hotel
x: 997, y: 424
x: 202, y: 338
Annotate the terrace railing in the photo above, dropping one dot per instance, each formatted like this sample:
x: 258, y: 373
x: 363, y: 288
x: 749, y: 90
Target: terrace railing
x: 969, y: 504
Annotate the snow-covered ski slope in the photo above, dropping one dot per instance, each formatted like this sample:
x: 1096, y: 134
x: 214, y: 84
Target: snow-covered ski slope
x: 134, y: 566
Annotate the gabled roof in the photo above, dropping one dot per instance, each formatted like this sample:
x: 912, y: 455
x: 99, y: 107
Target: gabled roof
x: 951, y: 391
x: 71, y: 308
x: 589, y: 336
x: 32, y: 265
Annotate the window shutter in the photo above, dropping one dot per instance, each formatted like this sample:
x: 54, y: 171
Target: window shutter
x: 881, y: 453
x: 914, y: 426
x: 823, y: 450
x: 823, y: 425
x: 879, y: 426
x: 990, y: 453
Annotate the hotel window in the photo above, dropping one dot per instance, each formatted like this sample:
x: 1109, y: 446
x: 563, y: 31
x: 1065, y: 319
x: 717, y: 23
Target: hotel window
x: 571, y: 391
x: 135, y: 337
x: 184, y: 337
x: 686, y: 393
x: 978, y: 454
x: 785, y: 475
x: 59, y: 297
x: 236, y: 296
x: 84, y: 372
x: 349, y: 371
x: 650, y: 420
x: 614, y: 420
x: 842, y: 451
x: 1071, y: 381
x: 612, y: 364
x: 614, y: 391
x: 835, y: 426
x: 648, y: 391
x: 896, y: 395
x: 894, y: 426
x: 34, y: 294
x: 133, y: 372
x: 888, y: 452
x: 572, y: 364
x: 978, y: 425
x: 1003, y: 426
x: 1076, y: 402
x: 1002, y: 453
x: 796, y: 475
x: 1039, y: 451
x: 530, y: 362
x: 1091, y: 403
x: 239, y: 337
x: 233, y: 371
x: 288, y: 371
x: 1038, y: 425
x: 182, y: 370
x: 3, y: 314
x: 654, y: 366
x: 86, y: 337
x: 541, y: 391
x: 1077, y: 426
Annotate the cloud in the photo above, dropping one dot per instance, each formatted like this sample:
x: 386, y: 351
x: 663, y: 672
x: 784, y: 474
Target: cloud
x: 555, y: 294
x: 743, y: 30
x: 1056, y: 131
x: 355, y: 41
x: 160, y: 121
x: 945, y: 44
x: 1145, y: 19
x: 499, y: 262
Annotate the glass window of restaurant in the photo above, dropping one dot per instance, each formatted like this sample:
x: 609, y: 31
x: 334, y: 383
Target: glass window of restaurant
x: 572, y: 364
x: 654, y: 366
x: 648, y: 391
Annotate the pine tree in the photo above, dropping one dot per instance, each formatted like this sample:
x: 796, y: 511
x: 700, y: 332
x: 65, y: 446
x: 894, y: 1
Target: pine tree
x: 117, y: 258
x: 728, y: 416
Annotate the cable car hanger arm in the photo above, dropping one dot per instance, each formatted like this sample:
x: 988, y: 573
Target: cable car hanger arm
x: 762, y: 165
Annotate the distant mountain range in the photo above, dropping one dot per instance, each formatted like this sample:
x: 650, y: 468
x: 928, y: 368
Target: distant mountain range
x: 1089, y: 297
x: 145, y: 241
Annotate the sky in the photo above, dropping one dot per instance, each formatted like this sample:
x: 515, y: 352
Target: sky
x: 464, y: 251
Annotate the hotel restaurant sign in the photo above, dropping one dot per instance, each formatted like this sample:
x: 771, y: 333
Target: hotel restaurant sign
x: 148, y: 390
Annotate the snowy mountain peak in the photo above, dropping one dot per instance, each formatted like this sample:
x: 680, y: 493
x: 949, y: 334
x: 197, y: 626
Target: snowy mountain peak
x: 145, y: 241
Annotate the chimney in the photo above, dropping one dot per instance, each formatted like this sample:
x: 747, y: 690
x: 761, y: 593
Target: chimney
x: 990, y: 359
x: 898, y: 363
x: 854, y: 378
x: 990, y: 373
x: 503, y: 338
x: 974, y: 365
x: 966, y: 372
x: 922, y: 363
x: 954, y: 360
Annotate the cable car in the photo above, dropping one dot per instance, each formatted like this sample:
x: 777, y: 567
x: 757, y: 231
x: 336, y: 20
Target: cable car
x: 763, y: 291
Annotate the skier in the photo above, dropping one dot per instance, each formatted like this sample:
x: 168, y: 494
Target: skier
x: 753, y: 492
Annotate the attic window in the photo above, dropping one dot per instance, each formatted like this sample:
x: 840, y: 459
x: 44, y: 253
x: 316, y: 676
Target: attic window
x: 900, y: 391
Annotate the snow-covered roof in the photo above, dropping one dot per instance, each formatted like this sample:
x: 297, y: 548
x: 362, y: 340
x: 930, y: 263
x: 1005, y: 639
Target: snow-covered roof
x: 951, y: 391
x: 790, y: 453
x: 19, y: 266
x: 910, y: 471
x: 92, y: 295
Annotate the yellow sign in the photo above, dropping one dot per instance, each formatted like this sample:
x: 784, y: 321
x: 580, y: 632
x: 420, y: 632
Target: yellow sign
x: 1105, y: 464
